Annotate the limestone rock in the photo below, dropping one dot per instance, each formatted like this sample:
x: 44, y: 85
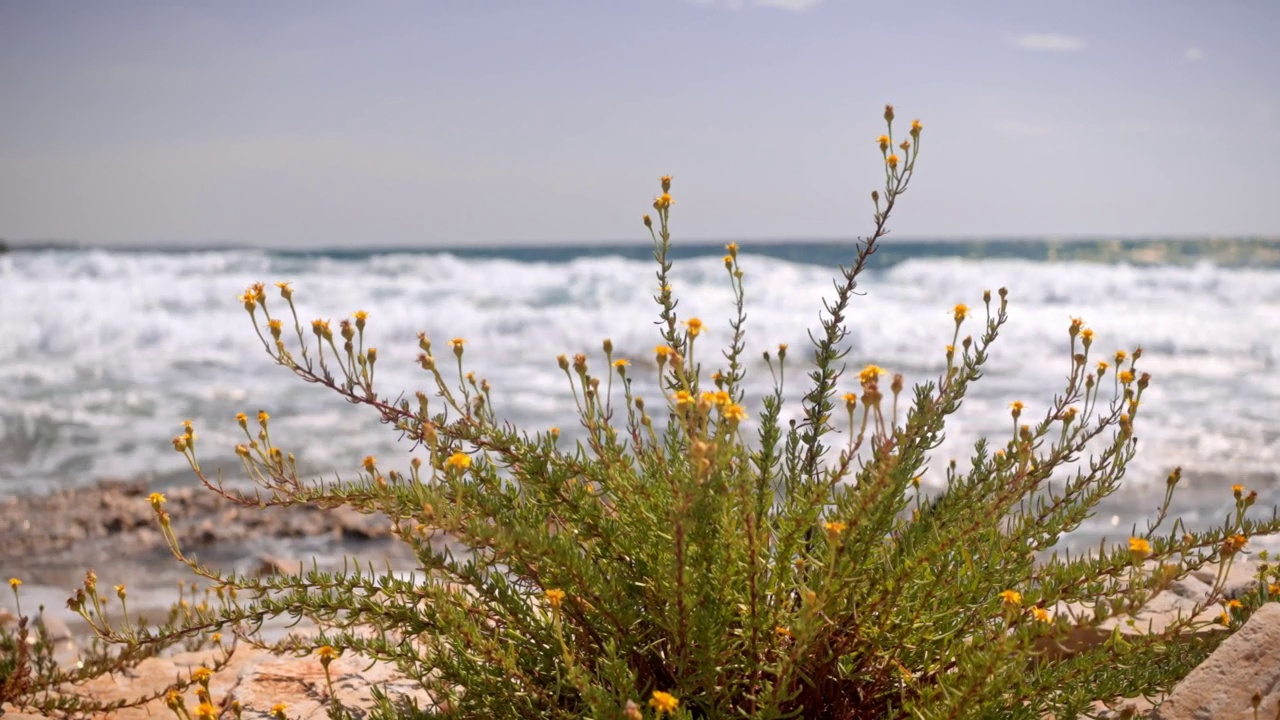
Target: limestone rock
x: 1222, y: 687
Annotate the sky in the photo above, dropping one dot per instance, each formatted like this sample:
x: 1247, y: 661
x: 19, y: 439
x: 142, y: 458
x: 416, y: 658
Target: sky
x: 495, y: 122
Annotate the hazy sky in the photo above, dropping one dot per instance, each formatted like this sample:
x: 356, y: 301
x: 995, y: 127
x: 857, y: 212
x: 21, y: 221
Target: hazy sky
x: 477, y: 122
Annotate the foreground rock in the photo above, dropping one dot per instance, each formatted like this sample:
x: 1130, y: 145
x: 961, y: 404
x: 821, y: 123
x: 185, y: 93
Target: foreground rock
x: 258, y: 680
x: 1244, y: 669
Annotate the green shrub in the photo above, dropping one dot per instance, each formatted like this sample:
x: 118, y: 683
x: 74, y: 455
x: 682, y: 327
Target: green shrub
x: 685, y: 559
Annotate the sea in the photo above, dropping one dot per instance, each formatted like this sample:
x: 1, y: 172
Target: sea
x: 104, y: 353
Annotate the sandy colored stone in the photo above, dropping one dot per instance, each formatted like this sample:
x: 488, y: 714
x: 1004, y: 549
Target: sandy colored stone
x: 259, y: 680
x: 1221, y: 688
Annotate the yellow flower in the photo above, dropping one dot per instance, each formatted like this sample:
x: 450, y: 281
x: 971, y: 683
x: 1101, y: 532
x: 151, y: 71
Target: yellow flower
x: 662, y: 352
x: 120, y: 591
x: 14, y: 583
x: 663, y: 702
x: 870, y: 374
x: 250, y: 300
x: 683, y: 397
x: 695, y: 326
x: 277, y: 711
x: 1087, y: 335
x: 263, y: 417
x: 916, y: 127
x: 960, y: 312
x: 156, y: 499
x: 1120, y: 356
x: 892, y: 160
x: 327, y: 654
x: 663, y: 201
x: 884, y: 142
x: 1126, y: 377
x: 286, y: 292
x: 835, y: 527
x: 201, y: 675
x: 206, y: 711
x: 1234, y: 544
x: 360, y: 316
x: 1102, y: 366
x: 1224, y: 619
x: 781, y: 631
x: 1234, y: 604
x: 850, y: 401
x: 722, y: 398
x: 1016, y: 406
x: 621, y: 363
x: 1237, y: 490
x: 555, y: 597
x: 732, y: 248
x: 1040, y: 615
x: 1139, y: 547
x: 1273, y: 589
x: 321, y: 328
x: 369, y: 462
x: 1011, y: 598
x: 735, y: 412
x: 458, y: 461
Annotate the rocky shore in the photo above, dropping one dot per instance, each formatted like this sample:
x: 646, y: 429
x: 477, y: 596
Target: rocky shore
x: 50, y: 540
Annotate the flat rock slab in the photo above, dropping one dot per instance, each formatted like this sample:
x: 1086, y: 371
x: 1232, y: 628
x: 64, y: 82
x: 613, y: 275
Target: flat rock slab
x: 259, y: 680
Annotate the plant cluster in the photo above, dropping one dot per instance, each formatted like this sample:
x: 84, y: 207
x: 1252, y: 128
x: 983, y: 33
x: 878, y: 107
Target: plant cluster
x: 687, y: 559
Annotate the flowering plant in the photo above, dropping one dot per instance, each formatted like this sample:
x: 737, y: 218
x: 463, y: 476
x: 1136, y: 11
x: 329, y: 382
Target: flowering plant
x: 690, y: 558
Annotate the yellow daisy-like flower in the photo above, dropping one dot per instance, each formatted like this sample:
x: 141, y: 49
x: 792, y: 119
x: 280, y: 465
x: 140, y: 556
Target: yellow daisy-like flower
x: 1011, y: 598
x: 1087, y: 335
x: 695, y: 326
x: 1139, y: 547
x: 916, y: 127
x: 206, y: 711
x: 458, y: 461
x: 555, y: 597
x: 870, y: 374
x: 850, y: 401
x: 327, y: 653
x: 1224, y: 619
x: 835, y: 527
x: 782, y: 631
x: 1234, y: 604
x: 621, y: 363
x: 277, y: 711
x: 732, y: 248
x: 1120, y: 356
x: 1126, y: 377
x: 883, y: 141
x: 156, y: 499
x: 722, y: 398
x: 263, y: 417
x: 735, y: 412
x: 663, y: 702
x: 1234, y: 544
x: 369, y: 462
x: 683, y: 397
x: 1040, y: 615
x: 892, y: 160
x: 960, y: 312
x: 201, y: 675
x: 663, y: 201
x: 286, y: 292
x: 14, y: 583
x: 1237, y: 490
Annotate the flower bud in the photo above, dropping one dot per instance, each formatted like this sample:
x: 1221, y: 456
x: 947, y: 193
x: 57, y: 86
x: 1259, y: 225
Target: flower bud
x: 888, y: 113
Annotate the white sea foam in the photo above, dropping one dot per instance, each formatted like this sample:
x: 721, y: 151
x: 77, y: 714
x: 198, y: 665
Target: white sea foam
x: 104, y: 353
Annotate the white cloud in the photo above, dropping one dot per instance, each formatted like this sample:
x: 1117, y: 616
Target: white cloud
x: 1049, y: 42
x: 791, y: 5
x: 1193, y: 54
